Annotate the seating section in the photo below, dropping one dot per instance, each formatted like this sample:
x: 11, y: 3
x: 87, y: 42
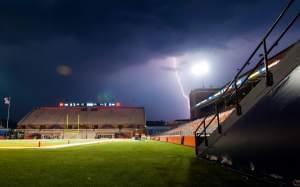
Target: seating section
x: 214, y: 124
x: 185, y: 133
x: 49, y: 117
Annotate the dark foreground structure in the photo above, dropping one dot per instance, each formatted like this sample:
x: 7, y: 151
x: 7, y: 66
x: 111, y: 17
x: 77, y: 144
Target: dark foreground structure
x: 83, y: 122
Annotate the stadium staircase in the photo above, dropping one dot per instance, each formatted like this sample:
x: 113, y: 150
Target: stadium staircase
x: 214, y: 130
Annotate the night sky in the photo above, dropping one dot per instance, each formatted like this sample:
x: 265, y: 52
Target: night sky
x: 124, y: 50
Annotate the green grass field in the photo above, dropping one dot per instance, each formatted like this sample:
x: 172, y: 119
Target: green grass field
x: 113, y: 164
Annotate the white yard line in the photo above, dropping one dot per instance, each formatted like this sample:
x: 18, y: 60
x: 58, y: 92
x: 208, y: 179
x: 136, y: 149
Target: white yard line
x: 68, y: 145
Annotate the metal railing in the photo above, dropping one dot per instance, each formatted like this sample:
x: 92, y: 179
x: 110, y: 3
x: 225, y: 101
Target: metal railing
x: 233, y: 83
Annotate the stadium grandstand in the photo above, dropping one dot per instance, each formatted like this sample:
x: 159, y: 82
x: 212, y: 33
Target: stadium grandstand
x: 185, y: 133
x: 159, y: 127
x: 85, y: 122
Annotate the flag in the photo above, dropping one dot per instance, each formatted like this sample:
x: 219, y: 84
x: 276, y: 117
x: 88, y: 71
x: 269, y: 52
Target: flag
x: 7, y: 100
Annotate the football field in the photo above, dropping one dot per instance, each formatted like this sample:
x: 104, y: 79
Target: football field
x: 47, y: 144
x: 131, y: 163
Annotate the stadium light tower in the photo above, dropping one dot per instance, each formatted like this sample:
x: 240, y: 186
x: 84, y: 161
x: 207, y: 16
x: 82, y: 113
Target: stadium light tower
x: 200, y: 70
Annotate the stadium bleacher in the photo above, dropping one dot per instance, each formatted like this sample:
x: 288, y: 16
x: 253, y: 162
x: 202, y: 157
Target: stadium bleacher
x: 82, y: 122
x: 185, y: 133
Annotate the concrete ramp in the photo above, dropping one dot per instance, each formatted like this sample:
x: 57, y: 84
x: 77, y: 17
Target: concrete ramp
x: 265, y: 139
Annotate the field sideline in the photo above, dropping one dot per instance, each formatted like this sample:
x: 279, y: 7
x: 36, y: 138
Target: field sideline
x: 113, y: 164
x: 50, y: 144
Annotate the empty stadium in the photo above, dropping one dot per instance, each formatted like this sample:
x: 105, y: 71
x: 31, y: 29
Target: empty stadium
x: 244, y: 133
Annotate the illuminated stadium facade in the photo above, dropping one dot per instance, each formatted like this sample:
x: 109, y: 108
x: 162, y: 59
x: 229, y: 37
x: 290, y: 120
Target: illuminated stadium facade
x: 86, y: 121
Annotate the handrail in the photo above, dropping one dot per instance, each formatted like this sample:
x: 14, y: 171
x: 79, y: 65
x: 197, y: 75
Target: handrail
x: 271, y: 48
x: 200, y: 125
x: 209, y: 123
x: 266, y: 52
x: 264, y: 38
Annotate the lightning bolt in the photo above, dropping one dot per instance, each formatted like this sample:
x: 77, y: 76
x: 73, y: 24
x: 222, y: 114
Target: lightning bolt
x: 179, y: 82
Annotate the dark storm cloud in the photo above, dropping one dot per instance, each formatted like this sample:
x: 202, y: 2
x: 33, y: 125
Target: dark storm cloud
x: 113, y: 33
x: 97, y: 38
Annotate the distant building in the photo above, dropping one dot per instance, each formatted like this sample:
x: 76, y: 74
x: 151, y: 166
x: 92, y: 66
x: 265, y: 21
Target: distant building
x: 83, y: 122
x: 197, y: 96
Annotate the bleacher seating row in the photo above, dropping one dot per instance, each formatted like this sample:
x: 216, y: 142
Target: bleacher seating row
x: 59, y: 116
x: 185, y: 133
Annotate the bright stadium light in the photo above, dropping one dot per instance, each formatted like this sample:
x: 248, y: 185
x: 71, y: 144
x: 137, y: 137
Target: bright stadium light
x: 200, y: 69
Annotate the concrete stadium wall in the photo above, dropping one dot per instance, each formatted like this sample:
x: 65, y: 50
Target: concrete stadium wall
x: 163, y: 139
x: 180, y: 140
x: 175, y: 139
x: 189, y: 141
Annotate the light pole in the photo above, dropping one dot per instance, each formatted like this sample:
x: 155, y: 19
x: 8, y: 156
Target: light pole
x: 7, y: 101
